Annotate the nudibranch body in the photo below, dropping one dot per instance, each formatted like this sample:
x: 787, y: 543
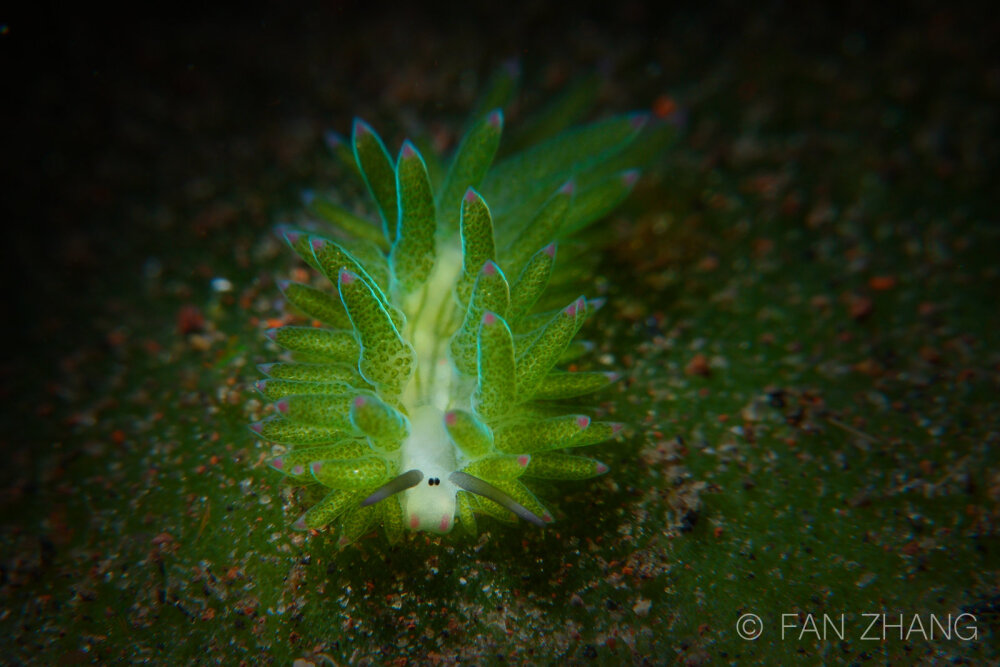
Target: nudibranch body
x: 431, y: 392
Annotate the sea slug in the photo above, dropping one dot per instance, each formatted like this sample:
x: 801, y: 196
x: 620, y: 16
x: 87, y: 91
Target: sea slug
x: 433, y: 388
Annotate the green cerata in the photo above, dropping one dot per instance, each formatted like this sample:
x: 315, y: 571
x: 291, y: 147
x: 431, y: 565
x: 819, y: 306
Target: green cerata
x: 433, y: 390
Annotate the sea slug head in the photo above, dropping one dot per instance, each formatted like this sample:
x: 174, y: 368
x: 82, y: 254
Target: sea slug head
x: 430, y: 505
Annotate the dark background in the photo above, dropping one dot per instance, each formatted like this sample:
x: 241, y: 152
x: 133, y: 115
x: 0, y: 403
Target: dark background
x: 109, y: 110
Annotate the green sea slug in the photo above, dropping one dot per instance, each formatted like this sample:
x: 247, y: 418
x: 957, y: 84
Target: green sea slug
x: 433, y: 390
